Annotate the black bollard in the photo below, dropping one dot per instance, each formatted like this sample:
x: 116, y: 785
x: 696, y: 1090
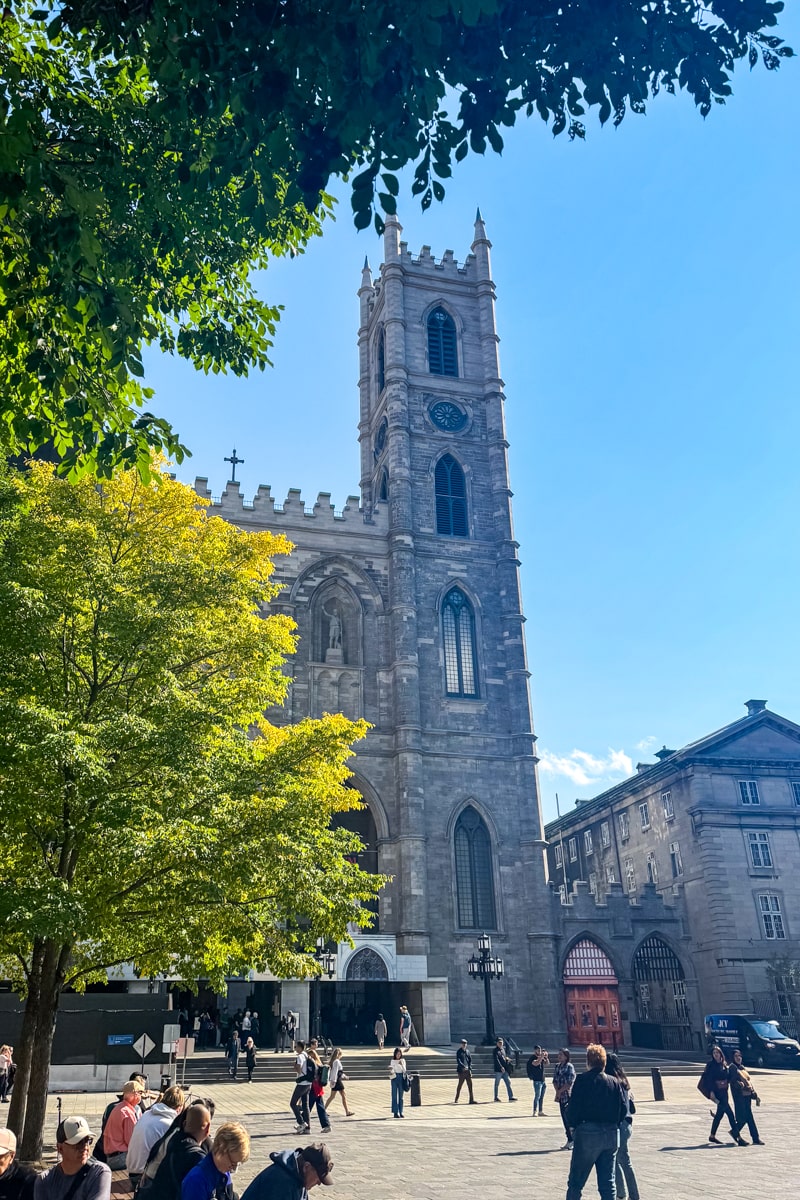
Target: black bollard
x: 658, y: 1083
x: 416, y: 1091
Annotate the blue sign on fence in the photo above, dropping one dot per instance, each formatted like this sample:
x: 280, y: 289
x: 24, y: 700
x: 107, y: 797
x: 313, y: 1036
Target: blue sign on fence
x: 120, y: 1039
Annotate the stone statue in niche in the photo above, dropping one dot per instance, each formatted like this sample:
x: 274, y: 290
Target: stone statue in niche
x: 334, y: 652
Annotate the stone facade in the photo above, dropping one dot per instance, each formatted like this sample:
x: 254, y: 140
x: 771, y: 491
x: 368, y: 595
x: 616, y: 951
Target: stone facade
x: 368, y: 588
x: 714, y: 829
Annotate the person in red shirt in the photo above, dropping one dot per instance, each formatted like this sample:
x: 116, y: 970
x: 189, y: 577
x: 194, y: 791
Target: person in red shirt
x: 119, y: 1126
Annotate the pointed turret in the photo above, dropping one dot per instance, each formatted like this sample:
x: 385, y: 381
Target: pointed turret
x: 366, y: 273
x: 481, y: 247
x: 391, y: 239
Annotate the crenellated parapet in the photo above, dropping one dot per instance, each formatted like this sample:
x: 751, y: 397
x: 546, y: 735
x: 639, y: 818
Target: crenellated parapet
x: 293, y: 512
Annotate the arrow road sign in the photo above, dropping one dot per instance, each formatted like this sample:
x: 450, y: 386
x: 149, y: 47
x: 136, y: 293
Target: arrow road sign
x: 143, y: 1046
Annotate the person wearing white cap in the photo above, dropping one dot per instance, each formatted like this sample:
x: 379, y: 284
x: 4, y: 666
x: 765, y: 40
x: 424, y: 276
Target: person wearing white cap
x: 77, y: 1176
x: 16, y: 1181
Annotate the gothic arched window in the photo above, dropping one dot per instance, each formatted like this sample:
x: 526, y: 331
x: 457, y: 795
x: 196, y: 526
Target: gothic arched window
x: 442, y: 355
x: 474, y: 876
x: 383, y: 487
x: 458, y: 634
x: 381, y: 360
x: 451, y: 498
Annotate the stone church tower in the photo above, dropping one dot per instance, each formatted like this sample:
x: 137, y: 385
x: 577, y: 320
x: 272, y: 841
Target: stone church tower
x: 409, y: 614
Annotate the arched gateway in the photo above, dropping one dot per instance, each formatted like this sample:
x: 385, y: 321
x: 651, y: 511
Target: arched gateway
x: 591, y: 994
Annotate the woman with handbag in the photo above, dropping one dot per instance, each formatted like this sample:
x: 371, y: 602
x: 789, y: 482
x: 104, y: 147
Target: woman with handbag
x: 714, y: 1085
x: 627, y: 1187
x: 316, y: 1099
x: 336, y: 1080
x: 743, y: 1094
x: 399, y: 1077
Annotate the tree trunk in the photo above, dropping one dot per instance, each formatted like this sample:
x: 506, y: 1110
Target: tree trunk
x: 44, y: 1002
x: 23, y: 1051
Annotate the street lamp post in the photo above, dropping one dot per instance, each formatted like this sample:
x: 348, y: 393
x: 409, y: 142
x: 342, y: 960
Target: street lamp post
x: 486, y: 966
x: 327, y: 960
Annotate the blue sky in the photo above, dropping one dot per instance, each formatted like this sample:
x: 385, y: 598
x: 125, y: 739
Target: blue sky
x: 648, y: 311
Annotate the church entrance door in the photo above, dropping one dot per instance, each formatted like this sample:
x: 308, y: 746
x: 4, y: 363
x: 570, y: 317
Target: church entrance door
x: 349, y: 1010
x: 591, y: 995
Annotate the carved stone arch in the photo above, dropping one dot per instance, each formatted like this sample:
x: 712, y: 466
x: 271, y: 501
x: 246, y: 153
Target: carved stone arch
x: 451, y: 310
x: 366, y: 964
x: 456, y: 451
x: 373, y: 801
x: 336, y: 566
x: 483, y: 813
x: 601, y: 944
x: 462, y: 585
x: 655, y: 935
x: 475, y: 871
x: 337, y: 623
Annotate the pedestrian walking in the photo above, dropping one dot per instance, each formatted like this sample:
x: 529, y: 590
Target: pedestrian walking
x: 563, y: 1081
x: 250, y: 1058
x: 302, y: 1086
x: 399, y: 1078
x: 337, y: 1080
x: 743, y: 1094
x: 464, y: 1069
x: 380, y: 1030
x: 281, y: 1033
x: 405, y: 1027
x: 534, y: 1069
x: 292, y: 1032
x: 234, y: 1049
x: 714, y: 1084
x: 5, y: 1072
x: 319, y: 1077
x: 502, y: 1068
x: 596, y: 1108
x: 627, y: 1187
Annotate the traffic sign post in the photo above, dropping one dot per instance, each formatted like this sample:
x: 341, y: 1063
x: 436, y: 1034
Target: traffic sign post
x: 143, y: 1045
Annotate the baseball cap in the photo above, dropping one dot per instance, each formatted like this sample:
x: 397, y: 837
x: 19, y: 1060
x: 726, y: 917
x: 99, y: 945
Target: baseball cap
x: 73, y: 1130
x: 319, y: 1156
x: 8, y: 1141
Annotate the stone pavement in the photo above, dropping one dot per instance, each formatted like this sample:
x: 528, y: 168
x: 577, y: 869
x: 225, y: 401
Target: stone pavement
x: 440, y: 1151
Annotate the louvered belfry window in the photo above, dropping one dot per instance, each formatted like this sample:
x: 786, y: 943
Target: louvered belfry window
x: 451, y: 498
x: 474, y: 876
x: 442, y: 355
x: 458, y: 629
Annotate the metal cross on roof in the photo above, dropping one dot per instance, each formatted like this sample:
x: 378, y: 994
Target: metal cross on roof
x: 234, y: 460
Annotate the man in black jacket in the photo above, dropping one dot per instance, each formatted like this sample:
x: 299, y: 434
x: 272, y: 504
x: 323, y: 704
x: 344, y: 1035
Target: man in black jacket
x: 292, y: 1174
x: 501, y: 1064
x: 596, y: 1108
x: 184, y: 1151
x: 16, y: 1181
x: 464, y: 1068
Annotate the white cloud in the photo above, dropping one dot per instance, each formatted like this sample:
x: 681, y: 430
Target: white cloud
x: 585, y: 769
x: 646, y: 744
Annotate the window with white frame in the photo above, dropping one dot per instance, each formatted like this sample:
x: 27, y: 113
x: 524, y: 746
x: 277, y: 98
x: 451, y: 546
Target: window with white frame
x: 771, y: 917
x: 669, y: 811
x: 652, y: 868
x: 624, y: 826
x: 675, y: 859
x: 748, y: 792
x: 559, y: 854
x: 760, y: 851
x: 796, y: 791
x: 605, y: 834
x: 593, y: 882
x: 630, y: 875
x: 573, y: 850
x: 587, y: 841
x: 611, y: 875
x: 679, y: 996
x: 644, y: 814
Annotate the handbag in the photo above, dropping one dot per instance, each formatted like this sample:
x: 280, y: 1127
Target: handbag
x: 406, y: 1083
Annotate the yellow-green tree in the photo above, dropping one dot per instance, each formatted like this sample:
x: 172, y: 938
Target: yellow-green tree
x: 149, y: 811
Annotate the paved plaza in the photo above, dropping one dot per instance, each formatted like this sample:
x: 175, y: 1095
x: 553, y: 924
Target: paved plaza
x: 441, y: 1151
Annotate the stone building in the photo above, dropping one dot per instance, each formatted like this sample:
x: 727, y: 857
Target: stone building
x: 714, y: 830
x: 407, y: 604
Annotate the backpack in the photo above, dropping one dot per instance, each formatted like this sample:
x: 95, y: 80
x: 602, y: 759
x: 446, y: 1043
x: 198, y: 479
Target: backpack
x: 324, y: 1075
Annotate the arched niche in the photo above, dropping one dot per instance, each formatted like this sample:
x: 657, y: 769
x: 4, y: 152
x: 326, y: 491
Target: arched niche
x: 336, y: 624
